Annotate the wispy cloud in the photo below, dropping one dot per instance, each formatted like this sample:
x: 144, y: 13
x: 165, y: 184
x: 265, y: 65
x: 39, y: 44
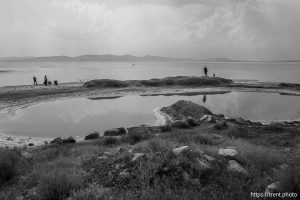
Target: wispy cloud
x: 251, y: 29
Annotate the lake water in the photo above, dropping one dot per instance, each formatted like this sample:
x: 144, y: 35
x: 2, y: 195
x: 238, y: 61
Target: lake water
x: 81, y: 116
x: 21, y: 73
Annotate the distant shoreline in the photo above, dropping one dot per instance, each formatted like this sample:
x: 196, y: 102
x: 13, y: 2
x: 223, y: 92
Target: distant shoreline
x: 128, y: 58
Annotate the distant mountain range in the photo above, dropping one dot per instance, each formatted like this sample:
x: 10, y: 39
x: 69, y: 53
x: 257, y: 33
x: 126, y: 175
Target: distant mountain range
x: 111, y: 58
x: 123, y: 58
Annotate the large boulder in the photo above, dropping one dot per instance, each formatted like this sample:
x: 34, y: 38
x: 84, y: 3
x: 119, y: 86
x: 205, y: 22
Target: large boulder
x: 184, y: 109
x: 234, y: 166
x: 69, y: 140
x: 227, y: 152
x: 180, y: 150
x: 115, y: 132
x: 92, y: 136
x: 57, y: 140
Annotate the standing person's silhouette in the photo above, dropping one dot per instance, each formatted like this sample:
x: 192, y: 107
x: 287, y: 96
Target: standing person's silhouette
x: 205, y: 70
x: 34, y: 81
x: 45, y: 80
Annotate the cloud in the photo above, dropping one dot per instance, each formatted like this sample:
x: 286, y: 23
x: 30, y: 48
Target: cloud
x: 251, y: 29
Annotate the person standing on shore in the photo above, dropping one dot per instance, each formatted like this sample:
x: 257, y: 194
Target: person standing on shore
x: 205, y: 71
x: 34, y: 81
x: 45, y: 80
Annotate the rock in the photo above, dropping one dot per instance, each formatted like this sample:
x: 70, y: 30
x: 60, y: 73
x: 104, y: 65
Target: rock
x: 220, y: 124
x: 182, y: 109
x: 69, y: 140
x: 115, y: 132
x: 57, y: 140
x: 185, y: 176
x: 272, y: 187
x: 180, y: 150
x: 180, y: 124
x: 284, y: 166
x: 19, y: 198
x: 209, y: 158
x: 137, y: 156
x: 192, y: 121
x: 204, y: 118
x: 102, y: 158
x: 122, y: 149
x: 124, y: 174
x: 241, y: 121
x: 234, y: 166
x: 27, y: 155
x: 211, y: 119
x: 217, y: 136
x: 202, y: 164
x: 227, y: 152
x: 92, y: 136
x: 195, y: 181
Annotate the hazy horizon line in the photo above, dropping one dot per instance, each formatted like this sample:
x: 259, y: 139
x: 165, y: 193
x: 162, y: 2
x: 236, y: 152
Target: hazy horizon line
x: 212, y: 59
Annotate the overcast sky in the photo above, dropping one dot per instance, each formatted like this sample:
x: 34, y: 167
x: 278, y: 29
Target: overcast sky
x: 238, y: 29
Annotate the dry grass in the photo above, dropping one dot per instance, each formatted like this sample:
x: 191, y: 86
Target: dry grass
x: 11, y: 165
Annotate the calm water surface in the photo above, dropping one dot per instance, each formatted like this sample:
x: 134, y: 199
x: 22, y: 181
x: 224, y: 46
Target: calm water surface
x: 81, y: 116
x: 21, y: 73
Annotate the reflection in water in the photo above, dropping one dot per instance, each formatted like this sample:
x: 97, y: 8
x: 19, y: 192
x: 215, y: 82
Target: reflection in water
x: 204, y: 98
x: 82, y: 116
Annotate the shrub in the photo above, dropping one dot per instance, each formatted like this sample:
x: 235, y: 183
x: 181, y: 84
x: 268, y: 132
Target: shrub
x: 258, y: 158
x: 93, y: 192
x: 110, y: 141
x: 289, y: 179
x: 239, y: 131
x: 155, y: 145
x: 11, y: 165
x: 58, y: 178
x: 203, y: 139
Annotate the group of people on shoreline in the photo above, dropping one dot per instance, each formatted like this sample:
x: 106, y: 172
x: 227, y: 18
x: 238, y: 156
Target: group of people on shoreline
x: 46, y: 82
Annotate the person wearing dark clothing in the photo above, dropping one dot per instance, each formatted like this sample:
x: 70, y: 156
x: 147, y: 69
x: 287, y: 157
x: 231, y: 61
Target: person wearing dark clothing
x: 45, y: 80
x: 34, y: 81
x: 205, y: 70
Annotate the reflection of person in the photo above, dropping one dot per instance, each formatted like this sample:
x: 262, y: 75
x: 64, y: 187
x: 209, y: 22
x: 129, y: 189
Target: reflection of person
x: 34, y: 81
x: 205, y: 70
x: 204, y: 98
x: 45, y: 80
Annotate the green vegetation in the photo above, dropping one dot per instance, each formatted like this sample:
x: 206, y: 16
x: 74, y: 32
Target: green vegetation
x: 104, y: 168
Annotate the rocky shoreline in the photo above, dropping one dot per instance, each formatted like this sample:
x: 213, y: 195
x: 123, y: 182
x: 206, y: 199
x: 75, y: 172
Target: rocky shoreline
x: 13, y: 98
x: 182, y: 114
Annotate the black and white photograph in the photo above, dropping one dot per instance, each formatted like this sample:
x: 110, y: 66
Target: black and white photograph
x: 149, y: 99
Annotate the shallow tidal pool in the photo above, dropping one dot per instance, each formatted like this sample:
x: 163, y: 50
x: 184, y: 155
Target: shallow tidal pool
x: 81, y: 116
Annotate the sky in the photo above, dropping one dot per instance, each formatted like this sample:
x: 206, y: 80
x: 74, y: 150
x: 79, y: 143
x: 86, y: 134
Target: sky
x: 237, y: 29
